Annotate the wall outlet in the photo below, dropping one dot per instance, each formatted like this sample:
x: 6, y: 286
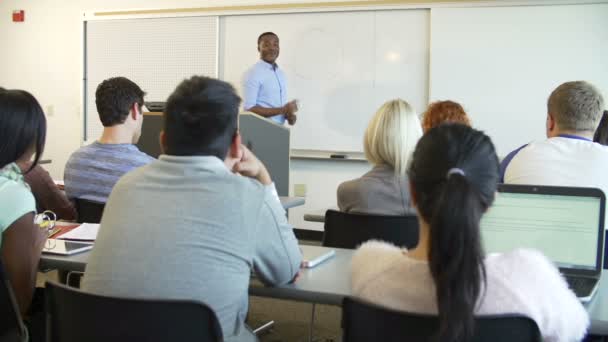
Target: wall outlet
x: 299, y: 190
x: 50, y: 110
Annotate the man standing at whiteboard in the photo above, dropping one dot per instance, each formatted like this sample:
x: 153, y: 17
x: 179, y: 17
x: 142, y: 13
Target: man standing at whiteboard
x: 265, y: 86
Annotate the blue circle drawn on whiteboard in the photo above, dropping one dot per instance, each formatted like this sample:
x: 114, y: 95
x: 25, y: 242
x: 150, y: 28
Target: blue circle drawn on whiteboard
x: 319, y: 55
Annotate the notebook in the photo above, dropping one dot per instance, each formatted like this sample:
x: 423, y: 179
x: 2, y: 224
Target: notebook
x: 315, y: 255
x: 566, y: 224
x: 83, y: 232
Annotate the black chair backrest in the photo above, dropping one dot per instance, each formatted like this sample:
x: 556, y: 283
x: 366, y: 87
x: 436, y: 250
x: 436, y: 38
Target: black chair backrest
x: 11, y: 326
x: 606, y: 252
x: 89, y: 211
x: 348, y: 230
x: 362, y: 321
x: 73, y: 315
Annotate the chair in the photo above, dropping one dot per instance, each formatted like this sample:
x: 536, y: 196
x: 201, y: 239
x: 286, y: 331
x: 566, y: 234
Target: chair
x: 606, y: 251
x: 348, y: 230
x: 11, y: 325
x: 362, y: 321
x: 74, y: 316
x: 89, y: 211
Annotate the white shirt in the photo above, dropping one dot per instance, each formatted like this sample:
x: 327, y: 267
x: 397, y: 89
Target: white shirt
x: 519, y: 282
x: 560, y: 161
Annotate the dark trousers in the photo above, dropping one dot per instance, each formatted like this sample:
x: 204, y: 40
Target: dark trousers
x: 35, y: 320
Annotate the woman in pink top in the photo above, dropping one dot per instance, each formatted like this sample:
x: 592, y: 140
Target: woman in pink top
x: 453, y: 179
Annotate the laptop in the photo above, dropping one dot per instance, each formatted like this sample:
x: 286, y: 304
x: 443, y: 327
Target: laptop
x: 61, y: 247
x: 565, y: 223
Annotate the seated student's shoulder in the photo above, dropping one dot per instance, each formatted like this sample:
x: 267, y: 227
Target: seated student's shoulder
x: 349, y: 187
x: 15, y: 201
x: 374, y: 249
x: 522, y: 260
x: 134, y: 177
x: 535, y: 280
x: 357, y: 189
x: 12, y: 191
x: 371, y: 257
x: 528, y: 271
x: 375, y: 179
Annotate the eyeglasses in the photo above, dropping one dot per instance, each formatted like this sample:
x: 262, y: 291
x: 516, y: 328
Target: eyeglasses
x: 46, y: 221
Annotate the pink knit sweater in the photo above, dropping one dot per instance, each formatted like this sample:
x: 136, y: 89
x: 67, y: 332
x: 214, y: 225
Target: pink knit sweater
x: 521, y: 282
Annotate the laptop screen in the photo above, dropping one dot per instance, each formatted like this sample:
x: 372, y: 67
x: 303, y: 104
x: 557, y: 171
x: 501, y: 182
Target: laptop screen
x: 563, y: 227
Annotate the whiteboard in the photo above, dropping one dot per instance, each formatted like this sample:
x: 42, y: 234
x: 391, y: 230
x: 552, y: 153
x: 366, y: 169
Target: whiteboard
x: 341, y: 66
x: 155, y: 53
x: 502, y: 63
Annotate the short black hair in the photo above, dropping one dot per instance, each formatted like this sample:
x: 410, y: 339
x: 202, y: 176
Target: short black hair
x: 114, y: 98
x: 201, y: 118
x: 266, y: 34
x: 22, y: 125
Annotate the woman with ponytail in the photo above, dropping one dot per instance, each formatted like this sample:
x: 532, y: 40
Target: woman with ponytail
x: 453, y: 178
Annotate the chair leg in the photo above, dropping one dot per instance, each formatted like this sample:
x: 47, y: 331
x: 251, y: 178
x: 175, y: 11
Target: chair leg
x: 312, y: 323
x: 73, y: 279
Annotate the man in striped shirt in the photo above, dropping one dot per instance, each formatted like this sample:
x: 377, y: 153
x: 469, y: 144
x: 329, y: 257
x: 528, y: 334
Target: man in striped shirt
x: 92, y: 170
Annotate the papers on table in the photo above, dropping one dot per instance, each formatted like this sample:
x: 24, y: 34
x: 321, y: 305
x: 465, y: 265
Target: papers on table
x: 84, y: 232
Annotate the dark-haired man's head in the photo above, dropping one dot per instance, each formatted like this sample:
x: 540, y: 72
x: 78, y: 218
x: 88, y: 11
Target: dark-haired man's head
x: 22, y: 127
x: 201, y: 119
x: 120, y: 101
x: 268, y: 46
x: 574, y: 108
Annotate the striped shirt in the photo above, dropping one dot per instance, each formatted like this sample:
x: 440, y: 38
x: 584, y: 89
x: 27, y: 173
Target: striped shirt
x: 92, y: 171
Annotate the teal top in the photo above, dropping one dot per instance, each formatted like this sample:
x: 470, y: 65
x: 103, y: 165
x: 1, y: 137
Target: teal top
x: 16, y: 199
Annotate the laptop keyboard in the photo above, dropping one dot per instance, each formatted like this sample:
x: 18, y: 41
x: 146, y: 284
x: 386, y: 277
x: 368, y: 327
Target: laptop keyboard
x: 581, y: 286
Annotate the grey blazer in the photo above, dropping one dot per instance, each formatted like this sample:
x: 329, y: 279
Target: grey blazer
x: 377, y: 192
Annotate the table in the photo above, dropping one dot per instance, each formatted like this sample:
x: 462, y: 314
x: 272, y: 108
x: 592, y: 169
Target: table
x: 329, y: 283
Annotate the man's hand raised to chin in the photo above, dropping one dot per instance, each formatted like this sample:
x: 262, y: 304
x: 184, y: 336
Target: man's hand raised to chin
x: 250, y: 166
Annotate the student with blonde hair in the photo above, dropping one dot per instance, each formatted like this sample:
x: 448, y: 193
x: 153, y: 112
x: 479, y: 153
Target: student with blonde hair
x: 389, y: 141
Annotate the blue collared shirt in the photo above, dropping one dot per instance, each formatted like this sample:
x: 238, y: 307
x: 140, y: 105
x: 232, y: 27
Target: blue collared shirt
x: 265, y: 85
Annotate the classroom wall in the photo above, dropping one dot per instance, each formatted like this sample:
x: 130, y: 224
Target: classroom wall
x: 44, y: 56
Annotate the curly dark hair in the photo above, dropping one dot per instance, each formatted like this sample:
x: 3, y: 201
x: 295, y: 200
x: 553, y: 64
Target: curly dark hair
x: 114, y: 98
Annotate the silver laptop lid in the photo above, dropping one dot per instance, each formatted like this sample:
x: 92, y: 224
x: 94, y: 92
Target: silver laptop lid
x: 565, y: 223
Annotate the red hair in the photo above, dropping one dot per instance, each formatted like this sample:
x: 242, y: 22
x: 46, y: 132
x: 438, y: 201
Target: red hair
x: 444, y: 111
